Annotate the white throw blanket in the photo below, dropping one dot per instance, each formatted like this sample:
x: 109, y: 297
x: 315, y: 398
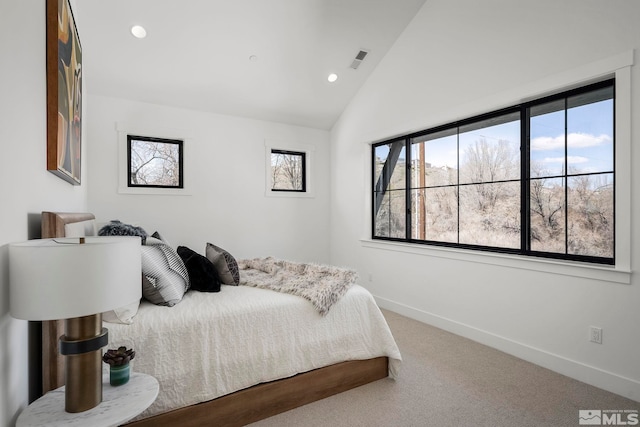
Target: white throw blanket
x: 323, y: 285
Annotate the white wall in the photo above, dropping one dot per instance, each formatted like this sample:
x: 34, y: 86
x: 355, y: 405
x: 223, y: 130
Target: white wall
x: 458, y: 59
x: 225, y: 167
x: 448, y: 64
x: 26, y: 187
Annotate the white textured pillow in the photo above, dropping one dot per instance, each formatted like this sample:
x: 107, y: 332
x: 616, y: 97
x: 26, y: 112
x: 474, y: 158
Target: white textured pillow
x: 122, y: 315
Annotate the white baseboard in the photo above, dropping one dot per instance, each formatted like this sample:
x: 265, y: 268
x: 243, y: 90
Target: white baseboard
x: 591, y: 375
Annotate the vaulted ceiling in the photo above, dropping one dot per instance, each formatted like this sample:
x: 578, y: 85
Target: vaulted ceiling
x: 263, y: 59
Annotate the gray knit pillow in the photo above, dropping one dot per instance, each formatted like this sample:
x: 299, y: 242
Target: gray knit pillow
x: 225, y: 264
x: 118, y: 228
x: 165, y: 276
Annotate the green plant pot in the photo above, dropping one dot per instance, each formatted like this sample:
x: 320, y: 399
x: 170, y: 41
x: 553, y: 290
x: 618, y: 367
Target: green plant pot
x: 119, y: 375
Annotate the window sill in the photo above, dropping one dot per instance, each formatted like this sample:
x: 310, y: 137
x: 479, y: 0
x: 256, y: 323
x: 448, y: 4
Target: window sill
x: 291, y: 194
x: 595, y: 272
x: 154, y: 191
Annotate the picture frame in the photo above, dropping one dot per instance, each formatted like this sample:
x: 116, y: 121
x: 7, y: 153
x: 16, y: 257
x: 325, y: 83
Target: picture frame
x: 64, y: 92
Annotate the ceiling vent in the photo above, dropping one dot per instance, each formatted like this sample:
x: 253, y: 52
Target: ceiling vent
x: 358, y: 59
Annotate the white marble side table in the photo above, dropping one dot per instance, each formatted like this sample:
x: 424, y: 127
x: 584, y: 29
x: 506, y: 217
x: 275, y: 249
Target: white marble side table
x: 119, y: 405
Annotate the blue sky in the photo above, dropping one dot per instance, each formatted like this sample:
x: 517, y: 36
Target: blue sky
x: 589, y: 138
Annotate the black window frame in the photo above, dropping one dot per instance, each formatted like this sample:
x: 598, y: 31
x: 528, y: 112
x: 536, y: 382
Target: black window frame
x: 525, y: 178
x: 303, y: 157
x: 178, y: 142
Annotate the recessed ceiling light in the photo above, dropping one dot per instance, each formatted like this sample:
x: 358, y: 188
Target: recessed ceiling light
x: 332, y: 77
x: 138, y: 31
x: 253, y: 58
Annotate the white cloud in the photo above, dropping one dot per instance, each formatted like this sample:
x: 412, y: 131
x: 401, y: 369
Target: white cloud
x: 575, y: 140
x: 572, y: 160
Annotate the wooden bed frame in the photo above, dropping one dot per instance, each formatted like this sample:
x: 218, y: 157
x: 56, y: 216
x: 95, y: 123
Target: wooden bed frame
x: 235, y: 409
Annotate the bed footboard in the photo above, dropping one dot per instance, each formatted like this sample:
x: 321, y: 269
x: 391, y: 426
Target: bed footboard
x: 265, y: 400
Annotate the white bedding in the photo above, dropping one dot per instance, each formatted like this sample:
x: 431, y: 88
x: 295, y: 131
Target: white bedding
x: 252, y: 336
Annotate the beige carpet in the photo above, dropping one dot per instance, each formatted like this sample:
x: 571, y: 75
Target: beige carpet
x: 447, y: 380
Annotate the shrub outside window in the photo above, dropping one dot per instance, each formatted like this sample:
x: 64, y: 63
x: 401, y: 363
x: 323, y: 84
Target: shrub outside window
x: 535, y: 179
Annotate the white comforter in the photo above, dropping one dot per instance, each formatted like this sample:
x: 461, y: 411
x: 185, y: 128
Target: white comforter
x: 212, y: 344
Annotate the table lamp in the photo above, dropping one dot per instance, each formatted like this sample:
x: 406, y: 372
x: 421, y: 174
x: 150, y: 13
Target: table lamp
x: 76, y: 279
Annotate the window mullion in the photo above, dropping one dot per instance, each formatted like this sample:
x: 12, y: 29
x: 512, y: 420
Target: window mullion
x: 408, y: 186
x: 458, y: 184
x: 525, y: 176
x: 566, y: 177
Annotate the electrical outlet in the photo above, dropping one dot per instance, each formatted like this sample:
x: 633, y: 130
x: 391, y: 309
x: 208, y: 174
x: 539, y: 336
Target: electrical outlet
x: 595, y: 334
x: 370, y: 277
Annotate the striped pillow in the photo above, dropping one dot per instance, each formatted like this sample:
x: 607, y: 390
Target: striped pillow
x: 165, y: 277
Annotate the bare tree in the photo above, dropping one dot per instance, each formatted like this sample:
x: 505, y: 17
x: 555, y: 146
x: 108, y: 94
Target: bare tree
x: 488, y: 163
x: 286, y: 170
x: 590, y: 216
x: 568, y: 213
x: 485, y: 162
x: 154, y: 163
x: 546, y: 204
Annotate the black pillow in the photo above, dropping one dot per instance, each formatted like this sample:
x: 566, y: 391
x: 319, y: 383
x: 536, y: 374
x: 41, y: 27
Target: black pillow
x: 202, y: 274
x: 117, y: 228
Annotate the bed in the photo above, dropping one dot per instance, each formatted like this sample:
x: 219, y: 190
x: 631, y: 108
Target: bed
x: 253, y: 371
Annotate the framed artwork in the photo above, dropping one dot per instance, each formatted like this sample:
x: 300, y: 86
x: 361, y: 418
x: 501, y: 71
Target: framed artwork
x: 64, y: 92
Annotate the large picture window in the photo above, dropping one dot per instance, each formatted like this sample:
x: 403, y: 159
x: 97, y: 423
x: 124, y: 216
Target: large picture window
x: 535, y: 179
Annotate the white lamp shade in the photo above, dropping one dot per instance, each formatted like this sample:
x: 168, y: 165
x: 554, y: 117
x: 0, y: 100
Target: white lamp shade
x: 60, y: 278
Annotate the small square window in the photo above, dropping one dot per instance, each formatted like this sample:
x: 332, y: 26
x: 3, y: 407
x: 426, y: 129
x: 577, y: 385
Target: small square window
x: 288, y: 171
x: 154, y: 162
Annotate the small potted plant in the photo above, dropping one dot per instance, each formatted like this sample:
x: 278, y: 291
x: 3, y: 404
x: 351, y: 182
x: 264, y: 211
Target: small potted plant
x: 118, y: 361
